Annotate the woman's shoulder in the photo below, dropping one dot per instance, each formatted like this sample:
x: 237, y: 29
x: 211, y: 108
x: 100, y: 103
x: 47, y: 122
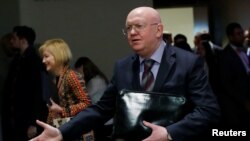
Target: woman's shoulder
x: 74, y: 74
x: 97, y: 80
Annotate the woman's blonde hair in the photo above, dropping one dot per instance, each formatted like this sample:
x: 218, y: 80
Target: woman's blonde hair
x: 59, y: 49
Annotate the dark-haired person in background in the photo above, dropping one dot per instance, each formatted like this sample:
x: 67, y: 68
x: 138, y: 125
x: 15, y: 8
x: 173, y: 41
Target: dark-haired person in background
x: 96, y: 81
x: 23, y: 99
x: 234, y: 94
x: 168, y: 37
x: 180, y: 41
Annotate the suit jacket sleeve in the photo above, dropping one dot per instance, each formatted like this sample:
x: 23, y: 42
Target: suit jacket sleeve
x: 205, y: 107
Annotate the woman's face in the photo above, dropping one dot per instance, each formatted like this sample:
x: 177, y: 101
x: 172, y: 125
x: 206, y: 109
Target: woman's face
x: 49, y: 60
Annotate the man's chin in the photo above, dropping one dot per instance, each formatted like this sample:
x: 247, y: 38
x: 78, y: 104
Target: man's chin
x: 137, y: 48
x: 139, y: 52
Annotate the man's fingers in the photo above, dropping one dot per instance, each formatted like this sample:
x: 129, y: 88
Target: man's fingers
x: 148, y: 124
x: 42, y: 124
x: 51, y: 100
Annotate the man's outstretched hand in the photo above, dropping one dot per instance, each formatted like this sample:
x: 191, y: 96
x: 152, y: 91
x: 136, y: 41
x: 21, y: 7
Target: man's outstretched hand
x: 50, y: 133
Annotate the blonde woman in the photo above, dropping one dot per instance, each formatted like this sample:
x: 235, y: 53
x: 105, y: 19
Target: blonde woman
x: 72, y: 94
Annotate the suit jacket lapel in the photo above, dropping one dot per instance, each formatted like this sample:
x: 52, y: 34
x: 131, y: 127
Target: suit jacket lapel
x: 167, y: 62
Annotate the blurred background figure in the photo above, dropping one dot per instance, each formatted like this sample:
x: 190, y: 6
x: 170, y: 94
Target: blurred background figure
x: 202, y: 37
x: 247, y: 41
x: 168, y: 37
x: 197, y: 42
x: 6, y: 55
x: 180, y: 41
x: 8, y: 50
x: 210, y: 53
x: 234, y: 96
x: 23, y: 101
x: 96, y: 83
x: 71, y: 88
x: 95, y: 79
x: 206, y: 37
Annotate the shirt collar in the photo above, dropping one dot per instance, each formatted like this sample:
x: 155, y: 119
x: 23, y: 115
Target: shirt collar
x: 157, y: 55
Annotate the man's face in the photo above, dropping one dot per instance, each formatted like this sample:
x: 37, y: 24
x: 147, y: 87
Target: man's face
x: 238, y: 37
x: 15, y: 41
x: 141, y: 33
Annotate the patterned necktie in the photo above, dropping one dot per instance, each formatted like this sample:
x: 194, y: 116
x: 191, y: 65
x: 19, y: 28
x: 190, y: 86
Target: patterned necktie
x: 147, y: 76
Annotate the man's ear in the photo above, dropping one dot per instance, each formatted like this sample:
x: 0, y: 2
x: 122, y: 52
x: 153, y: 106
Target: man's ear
x: 159, y: 30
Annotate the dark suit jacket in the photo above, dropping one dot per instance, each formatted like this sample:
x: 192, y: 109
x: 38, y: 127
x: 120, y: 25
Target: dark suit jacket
x: 23, y: 99
x: 234, y: 91
x: 180, y: 72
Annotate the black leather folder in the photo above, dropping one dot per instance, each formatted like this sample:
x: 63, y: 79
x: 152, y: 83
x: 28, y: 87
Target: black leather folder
x: 132, y: 107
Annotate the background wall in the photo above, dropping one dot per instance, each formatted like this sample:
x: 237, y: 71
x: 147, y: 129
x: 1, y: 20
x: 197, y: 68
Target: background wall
x: 9, y: 13
x: 173, y: 19
x: 187, y: 20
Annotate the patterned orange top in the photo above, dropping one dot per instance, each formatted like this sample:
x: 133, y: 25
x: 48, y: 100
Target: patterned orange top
x: 72, y: 95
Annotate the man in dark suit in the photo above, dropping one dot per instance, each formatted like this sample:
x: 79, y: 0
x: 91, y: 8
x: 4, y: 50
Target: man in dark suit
x: 175, y: 71
x: 23, y: 96
x: 234, y: 94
